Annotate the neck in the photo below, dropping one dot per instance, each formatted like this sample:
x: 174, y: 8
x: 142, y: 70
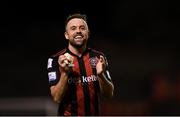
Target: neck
x: 77, y: 51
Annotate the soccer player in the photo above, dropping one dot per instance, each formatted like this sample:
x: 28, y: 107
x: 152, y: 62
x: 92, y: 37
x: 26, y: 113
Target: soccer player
x: 78, y: 75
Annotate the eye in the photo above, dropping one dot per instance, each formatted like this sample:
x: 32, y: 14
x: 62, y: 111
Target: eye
x: 83, y: 28
x: 73, y: 28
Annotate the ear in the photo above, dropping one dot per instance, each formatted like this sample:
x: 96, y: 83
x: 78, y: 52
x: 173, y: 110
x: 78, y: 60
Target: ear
x: 66, y: 35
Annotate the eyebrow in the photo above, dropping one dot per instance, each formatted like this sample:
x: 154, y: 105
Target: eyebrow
x: 77, y: 26
x: 72, y: 26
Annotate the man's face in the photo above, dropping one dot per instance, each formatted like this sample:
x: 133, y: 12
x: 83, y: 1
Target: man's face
x: 77, y: 32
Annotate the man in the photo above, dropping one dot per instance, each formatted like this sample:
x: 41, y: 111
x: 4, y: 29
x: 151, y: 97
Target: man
x: 77, y: 74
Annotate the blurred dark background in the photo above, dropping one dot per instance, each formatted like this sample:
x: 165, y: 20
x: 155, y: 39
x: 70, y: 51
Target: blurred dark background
x: 140, y: 39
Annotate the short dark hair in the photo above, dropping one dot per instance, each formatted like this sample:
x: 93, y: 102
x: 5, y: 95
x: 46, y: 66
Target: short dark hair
x: 76, y: 15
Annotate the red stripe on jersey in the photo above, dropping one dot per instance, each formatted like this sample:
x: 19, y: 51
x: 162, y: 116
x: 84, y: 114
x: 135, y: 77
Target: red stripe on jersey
x: 79, y: 89
x: 67, y: 111
x: 89, y: 72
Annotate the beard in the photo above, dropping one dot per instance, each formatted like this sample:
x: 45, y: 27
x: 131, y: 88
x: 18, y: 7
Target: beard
x: 76, y: 44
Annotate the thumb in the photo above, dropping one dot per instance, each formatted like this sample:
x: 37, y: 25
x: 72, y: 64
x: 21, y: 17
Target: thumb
x: 101, y: 59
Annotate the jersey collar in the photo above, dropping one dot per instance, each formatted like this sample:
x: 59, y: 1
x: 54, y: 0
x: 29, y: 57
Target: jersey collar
x: 85, y: 52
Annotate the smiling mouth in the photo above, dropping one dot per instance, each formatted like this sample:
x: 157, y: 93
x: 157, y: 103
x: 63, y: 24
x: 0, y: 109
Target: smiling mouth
x: 78, y: 37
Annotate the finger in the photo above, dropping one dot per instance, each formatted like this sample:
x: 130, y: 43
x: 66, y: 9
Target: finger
x: 63, y: 59
x: 97, y: 59
x: 66, y: 61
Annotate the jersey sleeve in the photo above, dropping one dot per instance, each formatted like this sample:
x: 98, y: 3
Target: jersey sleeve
x: 107, y: 73
x: 53, y: 71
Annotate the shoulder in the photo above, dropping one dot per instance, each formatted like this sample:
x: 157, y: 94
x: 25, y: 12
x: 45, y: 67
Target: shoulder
x: 97, y: 52
x: 53, y: 59
x: 57, y: 54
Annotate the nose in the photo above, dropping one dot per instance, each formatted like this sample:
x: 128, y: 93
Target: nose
x: 78, y: 30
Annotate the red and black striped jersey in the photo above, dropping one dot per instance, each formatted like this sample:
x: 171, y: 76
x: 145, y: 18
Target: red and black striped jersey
x: 82, y: 96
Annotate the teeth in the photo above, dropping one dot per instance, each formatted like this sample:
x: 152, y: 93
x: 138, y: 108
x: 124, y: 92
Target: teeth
x: 78, y: 37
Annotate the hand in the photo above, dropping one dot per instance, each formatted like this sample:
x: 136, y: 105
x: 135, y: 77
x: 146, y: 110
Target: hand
x: 63, y: 63
x: 101, y: 65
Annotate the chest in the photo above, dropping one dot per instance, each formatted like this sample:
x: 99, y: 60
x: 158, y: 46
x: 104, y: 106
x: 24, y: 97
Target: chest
x: 83, y: 70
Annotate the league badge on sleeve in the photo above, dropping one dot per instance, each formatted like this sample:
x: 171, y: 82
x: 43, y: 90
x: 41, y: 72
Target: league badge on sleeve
x: 52, y: 76
x: 49, y: 62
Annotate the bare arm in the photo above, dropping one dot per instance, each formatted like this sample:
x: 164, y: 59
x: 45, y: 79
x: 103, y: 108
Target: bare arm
x: 106, y: 87
x: 58, y: 91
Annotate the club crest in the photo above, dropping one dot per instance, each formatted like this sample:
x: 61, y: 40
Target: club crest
x: 93, y: 61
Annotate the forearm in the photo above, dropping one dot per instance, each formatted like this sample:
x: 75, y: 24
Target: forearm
x: 106, y: 87
x: 58, y: 91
